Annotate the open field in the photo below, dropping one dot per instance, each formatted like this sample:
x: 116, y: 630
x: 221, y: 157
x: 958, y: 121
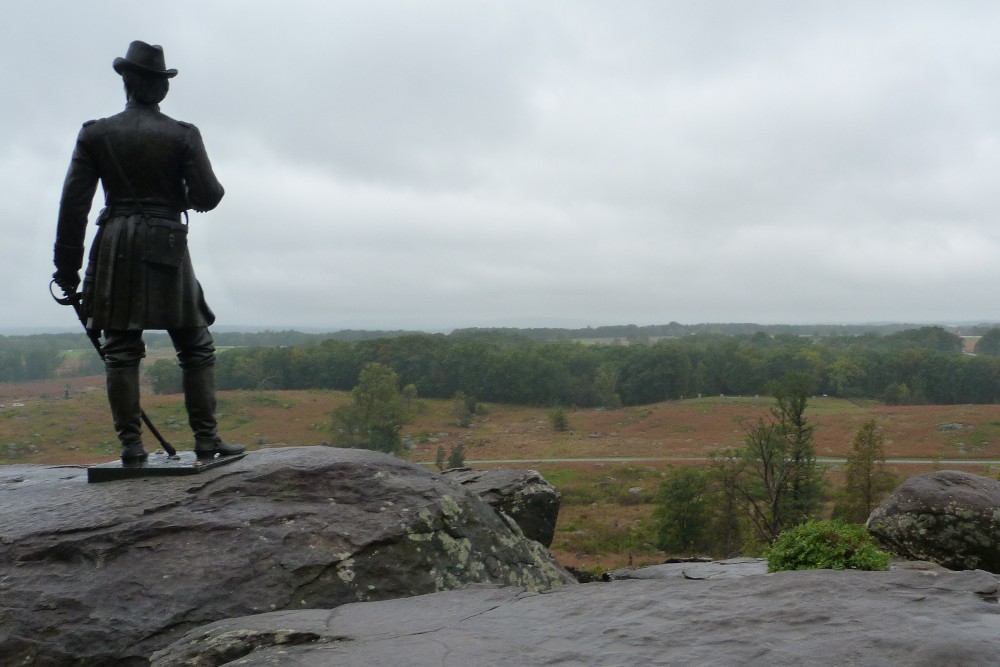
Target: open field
x: 605, y: 520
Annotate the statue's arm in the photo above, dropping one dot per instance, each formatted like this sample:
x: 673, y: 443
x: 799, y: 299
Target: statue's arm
x: 204, y: 192
x: 74, y: 206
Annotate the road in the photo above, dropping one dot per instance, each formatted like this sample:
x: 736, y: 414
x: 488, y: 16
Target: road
x: 660, y: 459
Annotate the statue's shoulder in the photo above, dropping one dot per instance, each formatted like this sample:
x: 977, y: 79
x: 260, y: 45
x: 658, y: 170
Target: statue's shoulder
x: 94, y: 121
x: 89, y: 127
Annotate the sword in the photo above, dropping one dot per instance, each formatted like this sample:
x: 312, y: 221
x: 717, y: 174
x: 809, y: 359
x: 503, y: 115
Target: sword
x: 95, y: 338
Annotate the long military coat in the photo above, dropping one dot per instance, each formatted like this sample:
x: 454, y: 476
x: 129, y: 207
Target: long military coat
x: 162, y: 163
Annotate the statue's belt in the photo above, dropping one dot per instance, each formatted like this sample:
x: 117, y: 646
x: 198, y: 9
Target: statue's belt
x: 149, y: 210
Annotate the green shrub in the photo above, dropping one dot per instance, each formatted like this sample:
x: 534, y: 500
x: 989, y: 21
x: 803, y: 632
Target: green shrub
x: 559, y: 420
x: 832, y: 545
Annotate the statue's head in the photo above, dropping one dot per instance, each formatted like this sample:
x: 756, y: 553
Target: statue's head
x: 144, y: 72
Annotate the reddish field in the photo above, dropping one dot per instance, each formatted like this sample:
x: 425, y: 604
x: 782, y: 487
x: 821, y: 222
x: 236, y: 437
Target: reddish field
x: 606, y: 503
x: 46, y: 427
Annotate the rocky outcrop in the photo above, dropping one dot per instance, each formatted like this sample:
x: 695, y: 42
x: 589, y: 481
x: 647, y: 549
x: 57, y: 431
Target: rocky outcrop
x: 732, y: 568
x: 105, y: 574
x: 946, y: 517
x: 523, y: 495
x: 818, y: 617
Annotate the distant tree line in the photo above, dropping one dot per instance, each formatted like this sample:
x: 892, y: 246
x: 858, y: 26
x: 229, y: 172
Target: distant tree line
x: 924, y: 365
x: 23, y: 366
x: 920, y: 365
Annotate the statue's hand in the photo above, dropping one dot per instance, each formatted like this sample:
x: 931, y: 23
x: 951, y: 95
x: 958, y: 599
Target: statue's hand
x: 68, y: 281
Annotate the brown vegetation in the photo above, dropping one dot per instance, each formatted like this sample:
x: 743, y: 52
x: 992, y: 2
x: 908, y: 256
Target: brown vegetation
x: 605, y: 515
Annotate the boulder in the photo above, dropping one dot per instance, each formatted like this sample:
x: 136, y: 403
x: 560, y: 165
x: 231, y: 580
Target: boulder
x: 946, y: 517
x: 105, y: 574
x: 811, y: 618
x: 523, y: 495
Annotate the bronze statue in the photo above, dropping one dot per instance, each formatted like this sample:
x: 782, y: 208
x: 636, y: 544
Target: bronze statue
x: 139, y: 274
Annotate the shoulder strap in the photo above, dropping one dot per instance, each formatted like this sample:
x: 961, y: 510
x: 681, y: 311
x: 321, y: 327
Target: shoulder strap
x: 124, y: 177
x: 128, y: 183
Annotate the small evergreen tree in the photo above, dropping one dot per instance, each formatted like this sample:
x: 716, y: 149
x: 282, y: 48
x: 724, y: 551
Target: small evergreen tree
x: 725, y: 533
x: 867, y: 479
x: 441, y: 457
x: 559, y: 420
x: 457, y: 457
x: 462, y: 409
x: 682, y: 510
x: 804, y: 481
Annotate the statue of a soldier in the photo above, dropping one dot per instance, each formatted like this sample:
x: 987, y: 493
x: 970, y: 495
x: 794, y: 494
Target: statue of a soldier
x: 139, y: 275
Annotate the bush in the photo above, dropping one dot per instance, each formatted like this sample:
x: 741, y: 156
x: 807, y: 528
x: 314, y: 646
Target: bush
x: 456, y: 459
x: 832, y: 545
x: 165, y: 376
x: 559, y: 420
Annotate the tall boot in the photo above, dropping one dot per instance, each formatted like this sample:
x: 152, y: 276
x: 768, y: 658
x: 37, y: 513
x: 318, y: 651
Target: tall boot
x: 199, y: 399
x: 123, y: 396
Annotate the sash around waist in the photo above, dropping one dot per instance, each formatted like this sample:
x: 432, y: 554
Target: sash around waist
x: 151, y: 210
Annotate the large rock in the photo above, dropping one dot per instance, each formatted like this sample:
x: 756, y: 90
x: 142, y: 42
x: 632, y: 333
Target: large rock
x: 523, y: 495
x: 946, y: 517
x: 732, y: 568
x: 105, y: 574
x: 818, y: 617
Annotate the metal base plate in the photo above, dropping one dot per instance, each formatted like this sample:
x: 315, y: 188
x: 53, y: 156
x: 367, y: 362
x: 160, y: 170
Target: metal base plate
x: 157, y: 465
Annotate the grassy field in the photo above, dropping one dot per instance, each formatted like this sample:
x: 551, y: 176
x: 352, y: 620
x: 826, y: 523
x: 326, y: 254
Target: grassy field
x: 605, y: 518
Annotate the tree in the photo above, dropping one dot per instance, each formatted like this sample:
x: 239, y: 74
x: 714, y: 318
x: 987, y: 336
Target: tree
x: 989, y: 344
x: 464, y: 408
x: 779, y: 481
x: 559, y: 420
x: 441, y: 457
x: 682, y: 510
x: 409, y: 398
x: 725, y: 533
x: 792, y: 395
x: 456, y: 459
x: 764, y: 484
x: 373, y: 419
x: 606, y: 387
x: 165, y: 376
x: 867, y: 480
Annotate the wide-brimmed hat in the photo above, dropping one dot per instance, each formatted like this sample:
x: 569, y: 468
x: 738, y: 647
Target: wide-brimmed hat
x: 145, y: 58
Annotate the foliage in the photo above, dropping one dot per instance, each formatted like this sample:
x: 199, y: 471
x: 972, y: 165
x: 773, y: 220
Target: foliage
x: 828, y: 544
x: 456, y: 459
x: 792, y: 396
x: 24, y: 365
x: 867, y: 479
x: 682, y: 511
x: 778, y: 479
x: 373, y: 419
x: 440, y: 458
x: 463, y: 407
x: 547, y: 367
x: 559, y: 420
x: 989, y: 344
x: 409, y: 398
x: 605, y: 387
x: 726, y: 532
x: 166, y: 377
x: 927, y: 338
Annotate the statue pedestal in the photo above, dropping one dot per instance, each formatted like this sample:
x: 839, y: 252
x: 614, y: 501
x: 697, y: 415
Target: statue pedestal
x: 157, y: 465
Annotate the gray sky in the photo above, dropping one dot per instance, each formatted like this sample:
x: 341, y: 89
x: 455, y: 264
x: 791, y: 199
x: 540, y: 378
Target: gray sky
x: 440, y: 164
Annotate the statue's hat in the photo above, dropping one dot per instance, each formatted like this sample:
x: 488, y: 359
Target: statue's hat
x: 145, y: 58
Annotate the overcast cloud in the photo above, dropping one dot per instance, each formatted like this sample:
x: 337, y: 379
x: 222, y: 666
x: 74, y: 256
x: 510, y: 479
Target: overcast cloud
x: 432, y: 165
